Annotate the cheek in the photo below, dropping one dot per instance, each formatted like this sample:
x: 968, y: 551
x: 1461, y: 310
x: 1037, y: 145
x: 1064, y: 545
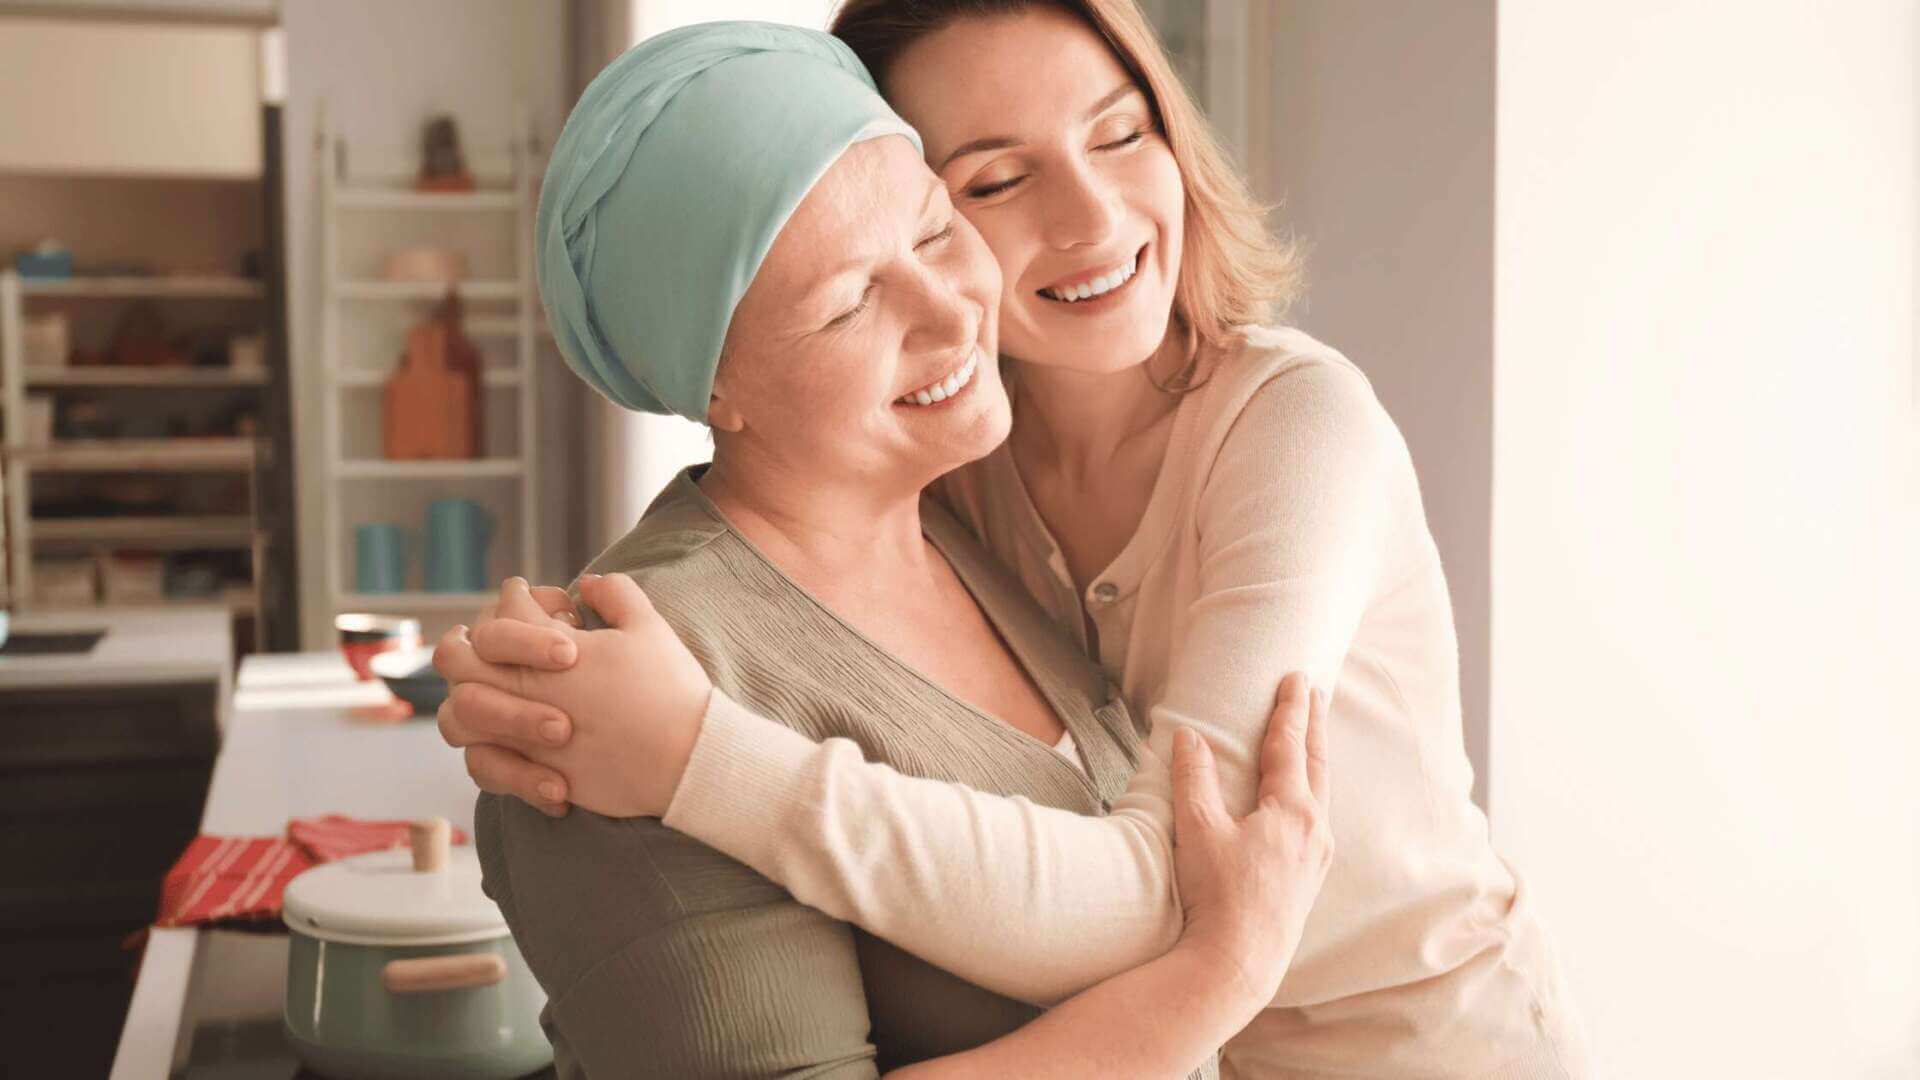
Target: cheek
x: 1158, y: 192
x: 1004, y: 236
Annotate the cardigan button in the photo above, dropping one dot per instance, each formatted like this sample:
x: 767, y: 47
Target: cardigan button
x: 1106, y: 593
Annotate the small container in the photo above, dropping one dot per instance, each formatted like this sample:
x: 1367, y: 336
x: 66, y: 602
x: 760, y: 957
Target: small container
x: 400, y: 966
x: 46, y: 340
x: 363, y: 636
x: 38, y: 424
x: 247, y: 352
x: 48, y: 259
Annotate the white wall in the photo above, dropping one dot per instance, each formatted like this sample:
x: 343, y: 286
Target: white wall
x: 383, y: 68
x: 1389, y: 182
x: 1705, y: 692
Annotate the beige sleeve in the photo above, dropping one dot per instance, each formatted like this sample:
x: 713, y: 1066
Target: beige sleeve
x: 1038, y: 903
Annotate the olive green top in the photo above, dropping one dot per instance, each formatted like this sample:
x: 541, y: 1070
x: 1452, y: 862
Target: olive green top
x: 662, y: 957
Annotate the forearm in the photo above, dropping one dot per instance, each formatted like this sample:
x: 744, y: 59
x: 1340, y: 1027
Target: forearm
x: 1161, y: 1019
x: 1029, y: 901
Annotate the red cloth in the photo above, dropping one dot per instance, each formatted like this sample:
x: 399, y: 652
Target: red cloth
x: 335, y: 836
x: 240, y: 879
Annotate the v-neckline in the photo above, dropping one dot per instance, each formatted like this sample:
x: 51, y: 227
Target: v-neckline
x: 1056, y: 697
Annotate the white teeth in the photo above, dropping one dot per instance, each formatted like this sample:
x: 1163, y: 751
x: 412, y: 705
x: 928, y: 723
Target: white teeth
x: 945, y: 388
x: 1101, y: 285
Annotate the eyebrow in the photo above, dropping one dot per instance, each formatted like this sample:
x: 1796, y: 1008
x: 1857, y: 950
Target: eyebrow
x: 1003, y: 142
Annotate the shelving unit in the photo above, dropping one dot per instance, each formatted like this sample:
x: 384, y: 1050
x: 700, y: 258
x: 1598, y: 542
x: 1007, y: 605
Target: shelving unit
x: 362, y: 332
x: 24, y: 532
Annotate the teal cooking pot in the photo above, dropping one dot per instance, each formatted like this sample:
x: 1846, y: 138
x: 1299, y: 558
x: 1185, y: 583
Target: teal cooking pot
x: 401, y: 967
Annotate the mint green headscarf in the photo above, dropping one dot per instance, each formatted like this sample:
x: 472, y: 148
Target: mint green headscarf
x: 675, y: 172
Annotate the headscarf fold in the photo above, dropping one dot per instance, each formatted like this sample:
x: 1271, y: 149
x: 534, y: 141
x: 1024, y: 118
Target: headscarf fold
x: 669, y: 183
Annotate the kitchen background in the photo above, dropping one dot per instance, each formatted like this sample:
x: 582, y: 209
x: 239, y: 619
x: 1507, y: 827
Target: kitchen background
x: 1638, y: 281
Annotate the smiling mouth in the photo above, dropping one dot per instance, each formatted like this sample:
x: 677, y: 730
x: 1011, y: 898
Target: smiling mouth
x: 952, y: 385
x: 1107, y: 282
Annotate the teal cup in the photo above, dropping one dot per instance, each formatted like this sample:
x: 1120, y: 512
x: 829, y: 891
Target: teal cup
x: 380, y: 558
x: 458, y: 532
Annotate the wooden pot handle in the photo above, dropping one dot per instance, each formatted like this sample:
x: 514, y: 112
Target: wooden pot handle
x: 426, y: 974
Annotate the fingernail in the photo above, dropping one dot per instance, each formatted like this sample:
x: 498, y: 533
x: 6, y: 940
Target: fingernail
x: 551, y: 791
x: 1185, y: 738
x: 554, y: 731
x: 562, y: 652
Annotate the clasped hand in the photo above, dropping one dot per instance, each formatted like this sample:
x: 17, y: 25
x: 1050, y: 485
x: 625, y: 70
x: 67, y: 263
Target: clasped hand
x: 603, y: 719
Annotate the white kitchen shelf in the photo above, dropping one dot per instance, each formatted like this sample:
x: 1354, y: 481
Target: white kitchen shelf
x: 361, y: 378
x: 22, y: 533
x: 139, y: 455
x: 107, y: 375
x: 157, y: 287
x: 502, y: 313
x: 379, y: 198
x: 414, y: 601
x: 375, y: 469
x: 479, y: 290
x: 170, y: 532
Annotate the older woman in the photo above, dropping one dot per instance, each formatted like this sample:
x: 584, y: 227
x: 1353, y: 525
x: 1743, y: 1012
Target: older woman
x: 734, y: 191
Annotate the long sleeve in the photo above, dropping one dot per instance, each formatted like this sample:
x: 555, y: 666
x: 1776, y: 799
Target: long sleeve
x: 1290, y: 519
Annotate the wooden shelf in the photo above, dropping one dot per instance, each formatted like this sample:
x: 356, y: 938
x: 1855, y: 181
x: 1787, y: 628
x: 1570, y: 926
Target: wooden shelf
x: 157, y: 287
x: 105, y: 375
x: 375, y: 198
x: 140, y: 455
x: 366, y: 377
x: 430, y: 470
x: 413, y: 601
x: 168, y: 532
x: 477, y: 289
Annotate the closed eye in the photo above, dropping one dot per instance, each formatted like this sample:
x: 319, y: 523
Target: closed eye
x: 988, y: 191
x: 937, y: 238
x: 847, y: 316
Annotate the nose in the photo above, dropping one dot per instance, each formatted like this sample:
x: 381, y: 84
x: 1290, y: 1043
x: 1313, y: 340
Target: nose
x: 944, y: 318
x: 1079, y: 209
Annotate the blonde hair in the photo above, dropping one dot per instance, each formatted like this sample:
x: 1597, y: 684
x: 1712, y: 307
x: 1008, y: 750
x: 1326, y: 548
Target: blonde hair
x: 1233, y: 271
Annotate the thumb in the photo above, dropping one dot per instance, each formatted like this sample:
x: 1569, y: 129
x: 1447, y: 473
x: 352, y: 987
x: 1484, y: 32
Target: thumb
x: 618, y: 599
x: 1197, y: 803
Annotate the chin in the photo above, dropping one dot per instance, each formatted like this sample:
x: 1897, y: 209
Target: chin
x: 1118, y: 350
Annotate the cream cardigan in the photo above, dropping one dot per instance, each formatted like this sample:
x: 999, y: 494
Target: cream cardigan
x: 1286, y: 532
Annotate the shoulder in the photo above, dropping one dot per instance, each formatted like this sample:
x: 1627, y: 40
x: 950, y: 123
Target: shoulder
x: 687, y: 559
x: 1282, y: 396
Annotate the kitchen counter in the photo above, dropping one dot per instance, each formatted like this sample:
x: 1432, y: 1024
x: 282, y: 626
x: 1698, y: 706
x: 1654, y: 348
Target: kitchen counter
x: 291, y: 749
x: 143, y: 646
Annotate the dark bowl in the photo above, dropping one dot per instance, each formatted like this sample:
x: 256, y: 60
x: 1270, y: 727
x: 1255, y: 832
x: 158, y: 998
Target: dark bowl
x: 409, y: 674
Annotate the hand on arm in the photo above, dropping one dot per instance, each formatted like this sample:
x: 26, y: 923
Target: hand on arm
x: 1248, y: 884
x: 609, y: 715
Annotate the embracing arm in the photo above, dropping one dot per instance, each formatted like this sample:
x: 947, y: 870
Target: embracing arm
x: 1039, y: 903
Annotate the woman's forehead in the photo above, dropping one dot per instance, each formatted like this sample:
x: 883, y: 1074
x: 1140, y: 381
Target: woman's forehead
x: 854, y: 213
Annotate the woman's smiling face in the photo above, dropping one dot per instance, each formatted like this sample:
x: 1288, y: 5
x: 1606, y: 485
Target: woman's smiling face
x: 863, y: 349
x: 1049, y: 147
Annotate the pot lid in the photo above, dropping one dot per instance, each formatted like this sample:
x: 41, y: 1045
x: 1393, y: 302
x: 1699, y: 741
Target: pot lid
x: 380, y: 899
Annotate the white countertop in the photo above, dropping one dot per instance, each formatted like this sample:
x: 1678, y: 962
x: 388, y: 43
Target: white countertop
x: 143, y: 645
x: 292, y: 749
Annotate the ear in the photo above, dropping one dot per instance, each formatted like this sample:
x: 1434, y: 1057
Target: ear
x: 722, y: 416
